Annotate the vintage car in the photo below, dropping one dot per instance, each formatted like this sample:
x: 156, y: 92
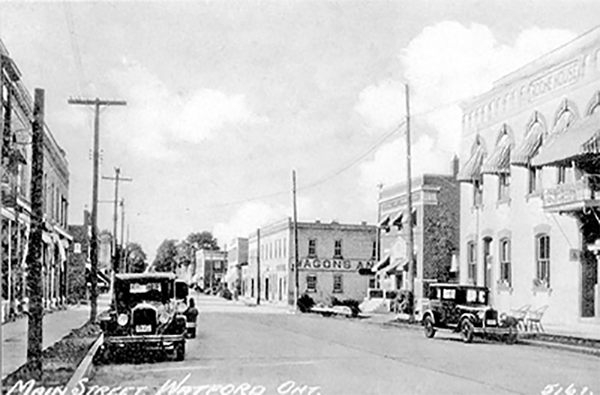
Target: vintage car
x: 146, y: 314
x: 465, y: 309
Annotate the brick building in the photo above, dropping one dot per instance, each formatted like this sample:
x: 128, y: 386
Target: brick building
x: 211, y: 268
x: 435, y: 222
x: 529, y: 192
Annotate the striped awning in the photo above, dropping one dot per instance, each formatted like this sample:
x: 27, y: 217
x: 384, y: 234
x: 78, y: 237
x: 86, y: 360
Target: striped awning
x: 382, y: 263
x: 498, y: 162
x: 385, y: 222
x: 397, y: 220
x: 522, y: 155
x: 471, y: 171
x: 580, y: 140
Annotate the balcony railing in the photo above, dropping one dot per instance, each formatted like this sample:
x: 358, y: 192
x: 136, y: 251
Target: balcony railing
x: 573, y: 196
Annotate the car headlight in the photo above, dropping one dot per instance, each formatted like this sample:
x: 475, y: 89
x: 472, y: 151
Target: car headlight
x: 481, y: 315
x: 164, y: 317
x: 122, y: 319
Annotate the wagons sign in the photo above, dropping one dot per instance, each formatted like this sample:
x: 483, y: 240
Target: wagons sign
x: 347, y: 265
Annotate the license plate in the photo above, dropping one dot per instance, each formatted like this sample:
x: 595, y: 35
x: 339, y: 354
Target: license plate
x: 490, y: 322
x: 143, y: 328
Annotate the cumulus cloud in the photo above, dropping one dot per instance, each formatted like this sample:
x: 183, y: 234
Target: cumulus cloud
x: 382, y: 105
x: 157, y: 118
x: 445, y: 64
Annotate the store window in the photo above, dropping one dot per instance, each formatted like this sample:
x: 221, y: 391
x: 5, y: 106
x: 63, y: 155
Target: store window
x: 472, y: 261
x: 505, y: 272
x: 542, y: 247
x: 311, y: 283
x: 338, y: 285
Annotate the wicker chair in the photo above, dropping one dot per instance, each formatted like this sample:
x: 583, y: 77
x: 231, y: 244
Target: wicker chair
x: 520, y: 314
x: 534, y: 319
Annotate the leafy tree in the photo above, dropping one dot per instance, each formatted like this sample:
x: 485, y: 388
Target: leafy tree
x: 202, y: 241
x: 166, y: 256
x: 135, y: 258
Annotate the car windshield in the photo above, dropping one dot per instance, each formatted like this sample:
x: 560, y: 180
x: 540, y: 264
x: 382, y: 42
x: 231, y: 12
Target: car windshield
x: 129, y: 293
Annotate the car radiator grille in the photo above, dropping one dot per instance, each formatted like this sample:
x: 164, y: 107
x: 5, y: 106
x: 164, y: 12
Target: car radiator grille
x: 144, y: 320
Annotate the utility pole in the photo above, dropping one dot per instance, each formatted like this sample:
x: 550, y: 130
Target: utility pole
x: 117, y: 178
x: 34, y: 263
x: 94, y: 242
x: 1, y: 170
x: 296, y: 271
x: 258, y: 267
x: 409, y: 242
x: 123, y: 245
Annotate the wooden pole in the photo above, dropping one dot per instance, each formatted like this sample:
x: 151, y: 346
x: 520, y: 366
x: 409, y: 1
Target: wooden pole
x: 409, y: 242
x: 34, y: 261
x: 296, y: 263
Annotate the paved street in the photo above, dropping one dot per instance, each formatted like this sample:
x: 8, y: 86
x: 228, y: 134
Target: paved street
x: 282, y: 352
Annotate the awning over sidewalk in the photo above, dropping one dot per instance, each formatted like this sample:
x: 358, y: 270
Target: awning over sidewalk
x: 471, y: 171
x: 581, y: 139
x: 382, y: 263
x: 522, y: 155
x: 397, y: 220
x: 498, y: 161
x: 385, y: 222
x: 393, y: 268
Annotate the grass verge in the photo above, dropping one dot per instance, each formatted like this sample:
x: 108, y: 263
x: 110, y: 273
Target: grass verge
x: 60, y: 360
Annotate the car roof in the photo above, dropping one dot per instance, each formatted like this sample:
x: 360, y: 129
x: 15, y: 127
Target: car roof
x: 463, y: 286
x: 143, y: 276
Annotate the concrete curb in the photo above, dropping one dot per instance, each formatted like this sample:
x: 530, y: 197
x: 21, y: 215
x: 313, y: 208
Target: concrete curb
x: 84, y: 367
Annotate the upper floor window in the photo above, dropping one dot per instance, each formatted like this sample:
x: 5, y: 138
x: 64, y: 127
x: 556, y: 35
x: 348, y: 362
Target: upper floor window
x: 542, y: 257
x: 337, y: 249
x: 472, y: 261
x: 312, y: 247
x: 505, y: 272
x: 561, y: 175
x: 503, y: 187
x: 478, y: 193
x: 374, y: 250
x: 534, y: 181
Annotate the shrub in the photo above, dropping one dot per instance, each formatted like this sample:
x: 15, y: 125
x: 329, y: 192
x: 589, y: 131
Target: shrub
x: 305, y: 303
x: 405, y: 302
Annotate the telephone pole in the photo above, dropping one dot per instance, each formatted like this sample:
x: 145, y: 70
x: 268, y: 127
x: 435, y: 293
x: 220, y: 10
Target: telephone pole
x: 258, y: 277
x: 123, y: 245
x: 409, y: 242
x: 117, y: 178
x: 97, y: 103
x: 34, y: 255
x: 296, y: 263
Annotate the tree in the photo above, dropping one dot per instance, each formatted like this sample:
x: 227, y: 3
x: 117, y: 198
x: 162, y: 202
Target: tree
x: 202, y: 241
x: 135, y: 258
x: 166, y: 256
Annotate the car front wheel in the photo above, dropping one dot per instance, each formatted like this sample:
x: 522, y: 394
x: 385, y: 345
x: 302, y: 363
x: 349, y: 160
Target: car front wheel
x: 466, y: 331
x: 429, y: 329
x: 180, y: 351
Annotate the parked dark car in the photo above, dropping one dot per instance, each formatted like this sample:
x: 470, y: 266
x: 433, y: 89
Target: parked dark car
x: 465, y: 309
x: 146, y: 314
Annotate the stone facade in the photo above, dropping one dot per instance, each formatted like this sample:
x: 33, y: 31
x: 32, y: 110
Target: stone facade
x: 529, y: 210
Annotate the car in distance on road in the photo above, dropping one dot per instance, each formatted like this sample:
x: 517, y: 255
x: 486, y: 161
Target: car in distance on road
x: 146, y: 314
x: 465, y: 309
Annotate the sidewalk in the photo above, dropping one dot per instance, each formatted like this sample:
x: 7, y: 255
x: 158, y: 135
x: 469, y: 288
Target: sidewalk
x: 56, y: 326
x: 582, y: 337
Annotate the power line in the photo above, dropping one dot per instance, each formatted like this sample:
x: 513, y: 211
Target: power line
x: 74, y: 46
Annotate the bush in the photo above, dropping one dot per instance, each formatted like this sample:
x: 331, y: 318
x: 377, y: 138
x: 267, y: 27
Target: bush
x: 405, y: 302
x: 305, y: 303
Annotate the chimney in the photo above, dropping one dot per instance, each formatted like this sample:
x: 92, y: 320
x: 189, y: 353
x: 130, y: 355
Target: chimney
x: 455, y: 166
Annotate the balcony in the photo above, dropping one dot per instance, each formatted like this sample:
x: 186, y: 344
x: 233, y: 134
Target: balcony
x: 574, y: 196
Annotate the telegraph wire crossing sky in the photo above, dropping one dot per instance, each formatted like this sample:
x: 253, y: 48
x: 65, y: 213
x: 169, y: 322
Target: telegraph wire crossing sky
x: 225, y: 99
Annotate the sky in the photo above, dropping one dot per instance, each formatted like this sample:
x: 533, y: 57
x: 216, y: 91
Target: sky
x: 225, y: 99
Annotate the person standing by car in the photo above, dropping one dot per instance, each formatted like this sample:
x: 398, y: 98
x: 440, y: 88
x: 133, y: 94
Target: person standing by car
x: 191, y: 315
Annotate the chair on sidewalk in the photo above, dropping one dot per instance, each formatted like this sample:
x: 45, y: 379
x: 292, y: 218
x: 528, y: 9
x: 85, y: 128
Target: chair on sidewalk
x: 520, y: 314
x: 534, y: 318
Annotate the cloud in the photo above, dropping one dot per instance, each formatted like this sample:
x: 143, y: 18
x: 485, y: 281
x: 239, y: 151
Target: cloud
x: 382, y: 105
x: 158, y: 119
x: 444, y: 65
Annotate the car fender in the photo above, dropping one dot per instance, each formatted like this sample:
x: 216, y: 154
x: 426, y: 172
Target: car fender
x: 470, y: 316
x: 429, y: 313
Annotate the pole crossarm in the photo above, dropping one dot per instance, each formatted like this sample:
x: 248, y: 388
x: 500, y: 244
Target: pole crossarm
x: 96, y: 102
